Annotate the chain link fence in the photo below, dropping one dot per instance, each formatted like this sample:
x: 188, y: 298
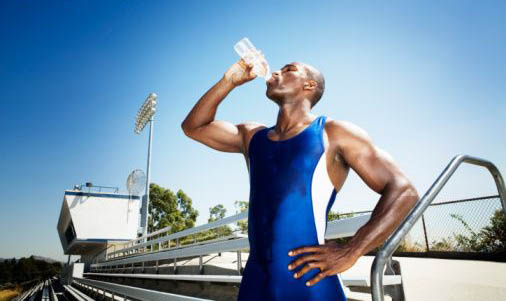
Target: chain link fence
x: 472, y: 229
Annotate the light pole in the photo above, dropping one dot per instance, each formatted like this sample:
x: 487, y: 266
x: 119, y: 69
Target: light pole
x: 145, y: 115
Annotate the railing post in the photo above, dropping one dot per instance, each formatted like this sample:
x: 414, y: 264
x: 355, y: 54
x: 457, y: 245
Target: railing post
x: 239, y: 262
x: 201, y: 266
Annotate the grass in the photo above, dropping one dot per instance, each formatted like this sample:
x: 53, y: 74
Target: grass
x: 9, y: 294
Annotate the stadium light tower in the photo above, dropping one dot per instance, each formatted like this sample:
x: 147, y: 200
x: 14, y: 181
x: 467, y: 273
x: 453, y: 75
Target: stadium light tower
x: 145, y: 115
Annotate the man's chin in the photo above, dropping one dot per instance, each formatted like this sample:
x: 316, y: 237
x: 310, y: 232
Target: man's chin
x: 269, y: 94
x: 272, y: 96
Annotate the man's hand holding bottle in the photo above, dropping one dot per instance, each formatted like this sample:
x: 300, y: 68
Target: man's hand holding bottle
x: 239, y: 73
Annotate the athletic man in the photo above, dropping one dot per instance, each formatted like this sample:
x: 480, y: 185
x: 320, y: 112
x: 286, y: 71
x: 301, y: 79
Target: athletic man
x: 296, y: 168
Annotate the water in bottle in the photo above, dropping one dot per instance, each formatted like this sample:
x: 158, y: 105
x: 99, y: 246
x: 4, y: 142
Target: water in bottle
x: 251, y: 55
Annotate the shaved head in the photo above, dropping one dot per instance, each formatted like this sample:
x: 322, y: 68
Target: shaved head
x: 314, y: 74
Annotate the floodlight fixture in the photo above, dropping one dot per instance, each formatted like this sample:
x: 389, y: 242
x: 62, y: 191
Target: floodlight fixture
x: 145, y: 113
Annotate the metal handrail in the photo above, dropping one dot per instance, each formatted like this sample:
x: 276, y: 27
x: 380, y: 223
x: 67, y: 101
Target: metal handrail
x: 335, y: 229
x: 394, y: 240
x: 132, y: 292
x: 141, y: 241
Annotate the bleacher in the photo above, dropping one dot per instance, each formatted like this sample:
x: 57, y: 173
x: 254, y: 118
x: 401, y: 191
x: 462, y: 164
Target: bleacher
x: 163, y: 266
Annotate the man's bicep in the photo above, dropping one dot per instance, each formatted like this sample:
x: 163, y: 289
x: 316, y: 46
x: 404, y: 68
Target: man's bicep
x: 372, y: 164
x: 220, y: 135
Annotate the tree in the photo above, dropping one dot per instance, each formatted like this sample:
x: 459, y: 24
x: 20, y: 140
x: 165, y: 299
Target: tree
x: 25, y: 269
x: 217, y: 212
x: 242, y: 206
x: 169, y: 209
x: 491, y: 238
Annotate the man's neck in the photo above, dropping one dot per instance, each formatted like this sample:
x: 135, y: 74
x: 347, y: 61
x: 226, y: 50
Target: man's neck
x: 292, y: 116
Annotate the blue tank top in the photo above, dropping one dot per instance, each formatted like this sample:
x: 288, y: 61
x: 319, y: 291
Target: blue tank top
x: 290, y: 193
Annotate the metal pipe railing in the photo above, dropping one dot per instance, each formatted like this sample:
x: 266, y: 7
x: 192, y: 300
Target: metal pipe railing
x: 394, y: 240
x: 140, y: 242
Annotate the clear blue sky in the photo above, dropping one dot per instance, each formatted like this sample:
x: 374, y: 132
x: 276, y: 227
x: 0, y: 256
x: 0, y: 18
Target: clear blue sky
x: 425, y: 80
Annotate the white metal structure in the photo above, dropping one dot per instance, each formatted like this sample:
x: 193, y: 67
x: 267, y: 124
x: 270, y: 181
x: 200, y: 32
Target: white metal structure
x: 83, y: 216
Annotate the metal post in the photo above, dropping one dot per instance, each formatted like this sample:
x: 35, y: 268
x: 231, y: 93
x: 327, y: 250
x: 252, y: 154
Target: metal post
x: 200, y: 265
x: 145, y: 229
x: 239, y: 262
x: 425, y: 233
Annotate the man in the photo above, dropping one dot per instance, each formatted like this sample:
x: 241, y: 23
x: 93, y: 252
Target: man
x: 296, y: 169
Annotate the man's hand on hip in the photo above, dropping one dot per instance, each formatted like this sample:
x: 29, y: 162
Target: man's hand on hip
x: 331, y: 259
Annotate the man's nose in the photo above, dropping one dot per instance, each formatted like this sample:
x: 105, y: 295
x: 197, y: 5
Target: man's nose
x: 275, y: 73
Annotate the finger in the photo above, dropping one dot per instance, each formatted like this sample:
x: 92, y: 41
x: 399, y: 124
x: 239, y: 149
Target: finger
x: 243, y: 64
x: 297, y: 251
x: 302, y: 260
x: 316, y: 278
x: 309, y: 266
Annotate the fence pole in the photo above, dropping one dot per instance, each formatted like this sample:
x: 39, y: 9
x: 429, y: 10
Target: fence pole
x: 425, y: 233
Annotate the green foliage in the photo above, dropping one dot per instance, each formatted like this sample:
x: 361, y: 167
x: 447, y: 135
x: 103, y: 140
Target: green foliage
x: 216, y: 213
x: 336, y: 215
x: 490, y: 238
x: 25, y: 269
x: 470, y: 243
x: 445, y: 244
x: 169, y: 209
x: 242, y: 206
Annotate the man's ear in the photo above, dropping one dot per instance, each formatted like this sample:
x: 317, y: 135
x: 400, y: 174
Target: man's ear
x: 310, y: 85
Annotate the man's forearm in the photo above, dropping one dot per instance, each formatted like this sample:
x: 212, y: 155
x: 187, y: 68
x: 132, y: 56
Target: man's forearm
x: 395, y: 203
x: 205, y: 109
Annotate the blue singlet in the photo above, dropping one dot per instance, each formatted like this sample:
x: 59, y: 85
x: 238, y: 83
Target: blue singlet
x: 290, y: 197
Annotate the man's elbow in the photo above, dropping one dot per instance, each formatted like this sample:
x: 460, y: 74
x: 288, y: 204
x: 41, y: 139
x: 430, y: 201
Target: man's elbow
x: 409, y: 193
x: 186, y: 129
x: 404, y: 187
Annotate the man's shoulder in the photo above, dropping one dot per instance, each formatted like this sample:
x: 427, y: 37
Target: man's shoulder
x: 251, y: 124
x: 340, y: 130
x: 249, y: 128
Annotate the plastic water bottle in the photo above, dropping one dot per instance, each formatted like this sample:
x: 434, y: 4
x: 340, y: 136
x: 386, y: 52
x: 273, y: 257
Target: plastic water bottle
x: 251, y: 55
